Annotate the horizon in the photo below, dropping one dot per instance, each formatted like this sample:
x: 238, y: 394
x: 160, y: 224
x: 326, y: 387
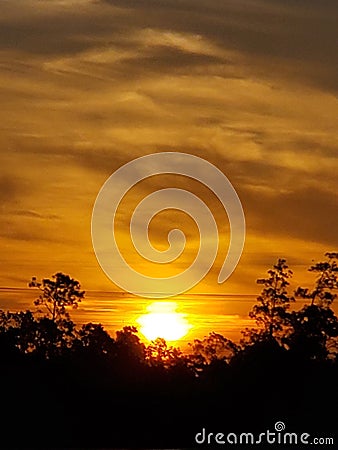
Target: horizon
x: 205, y: 312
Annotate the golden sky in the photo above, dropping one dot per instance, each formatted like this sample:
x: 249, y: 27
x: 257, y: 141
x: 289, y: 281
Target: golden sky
x: 86, y: 86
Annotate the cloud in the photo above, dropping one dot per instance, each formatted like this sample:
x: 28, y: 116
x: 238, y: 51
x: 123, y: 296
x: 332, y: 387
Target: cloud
x: 274, y: 38
x: 44, y: 28
x: 10, y: 188
x: 35, y: 215
x: 303, y: 213
x: 88, y: 85
x: 295, y: 41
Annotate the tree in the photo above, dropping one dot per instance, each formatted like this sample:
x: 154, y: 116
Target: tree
x: 36, y: 336
x: 129, y: 347
x: 314, y: 330
x: 57, y: 294
x: 95, y: 339
x: 271, y: 312
x: 158, y: 354
x: 211, y: 350
x: 17, y: 330
x: 326, y: 282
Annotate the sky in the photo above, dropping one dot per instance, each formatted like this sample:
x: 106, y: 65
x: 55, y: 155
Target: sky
x: 88, y: 85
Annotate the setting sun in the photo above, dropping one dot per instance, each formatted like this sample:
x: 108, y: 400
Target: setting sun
x: 162, y: 321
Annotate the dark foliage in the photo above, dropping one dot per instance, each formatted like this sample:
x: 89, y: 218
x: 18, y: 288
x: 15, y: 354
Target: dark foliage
x: 65, y: 386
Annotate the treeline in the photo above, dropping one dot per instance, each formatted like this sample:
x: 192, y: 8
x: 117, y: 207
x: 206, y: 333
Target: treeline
x: 65, y: 386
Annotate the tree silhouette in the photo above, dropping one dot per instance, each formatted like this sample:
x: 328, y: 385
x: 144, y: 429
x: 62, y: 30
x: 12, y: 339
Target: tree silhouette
x: 212, y: 349
x: 95, y: 339
x: 41, y: 337
x: 314, y: 332
x: 19, y: 330
x: 129, y: 347
x: 58, y: 293
x: 271, y: 313
x: 326, y: 282
x: 159, y: 354
x: 315, y: 327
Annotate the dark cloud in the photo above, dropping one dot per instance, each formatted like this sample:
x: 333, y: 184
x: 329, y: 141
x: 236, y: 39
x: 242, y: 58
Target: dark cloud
x: 305, y: 213
x: 34, y: 215
x: 46, y: 29
x: 11, y: 188
x: 297, y: 40
x: 277, y: 38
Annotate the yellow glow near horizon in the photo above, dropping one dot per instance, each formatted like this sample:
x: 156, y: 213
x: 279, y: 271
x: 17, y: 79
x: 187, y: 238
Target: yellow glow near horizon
x: 162, y: 321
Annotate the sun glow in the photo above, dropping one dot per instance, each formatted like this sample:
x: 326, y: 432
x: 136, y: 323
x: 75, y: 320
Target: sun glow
x: 162, y: 321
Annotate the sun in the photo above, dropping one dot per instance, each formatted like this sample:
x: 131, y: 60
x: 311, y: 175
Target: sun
x: 162, y: 321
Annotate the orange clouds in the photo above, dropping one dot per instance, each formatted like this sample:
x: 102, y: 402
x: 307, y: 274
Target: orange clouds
x: 87, y: 86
